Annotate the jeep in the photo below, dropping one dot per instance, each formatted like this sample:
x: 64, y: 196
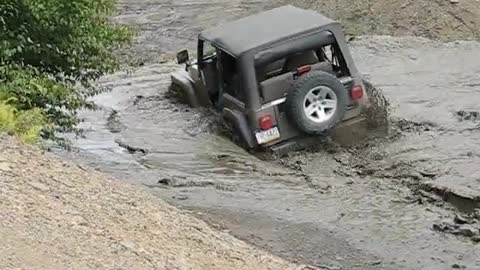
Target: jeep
x: 276, y: 77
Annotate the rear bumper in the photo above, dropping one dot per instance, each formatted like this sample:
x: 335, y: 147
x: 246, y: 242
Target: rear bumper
x: 288, y: 131
x: 345, y: 133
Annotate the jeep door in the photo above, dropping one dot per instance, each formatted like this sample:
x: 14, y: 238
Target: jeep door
x: 207, y: 66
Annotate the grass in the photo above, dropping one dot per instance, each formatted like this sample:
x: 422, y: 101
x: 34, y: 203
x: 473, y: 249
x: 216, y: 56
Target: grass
x: 26, y: 125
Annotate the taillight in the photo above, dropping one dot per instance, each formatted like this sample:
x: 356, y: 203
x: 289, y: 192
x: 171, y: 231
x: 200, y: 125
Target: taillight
x: 357, y: 92
x: 265, y: 122
x: 303, y: 70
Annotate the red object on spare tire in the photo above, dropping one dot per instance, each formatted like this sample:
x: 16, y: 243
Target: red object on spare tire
x: 296, y: 97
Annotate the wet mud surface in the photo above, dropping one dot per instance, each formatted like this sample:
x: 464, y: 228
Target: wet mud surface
x: 435, y: 19
x: 408, y: 199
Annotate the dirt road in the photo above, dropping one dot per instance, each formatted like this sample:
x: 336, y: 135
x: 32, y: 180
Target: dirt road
x: 374, y: 206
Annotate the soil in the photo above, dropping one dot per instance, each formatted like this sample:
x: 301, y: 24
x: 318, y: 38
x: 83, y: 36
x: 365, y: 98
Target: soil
x: 166, y: 26
x: 58, y: 215
x: 443, y: 20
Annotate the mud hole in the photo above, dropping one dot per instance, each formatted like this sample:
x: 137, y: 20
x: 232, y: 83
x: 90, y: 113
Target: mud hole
x: 370, y: 158
x: 404, y: 197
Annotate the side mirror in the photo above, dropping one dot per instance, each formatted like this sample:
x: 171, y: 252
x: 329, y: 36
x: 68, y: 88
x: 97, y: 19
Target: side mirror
x: 183, y: 57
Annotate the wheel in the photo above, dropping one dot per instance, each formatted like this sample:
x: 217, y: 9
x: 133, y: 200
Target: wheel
x: 317, y: 102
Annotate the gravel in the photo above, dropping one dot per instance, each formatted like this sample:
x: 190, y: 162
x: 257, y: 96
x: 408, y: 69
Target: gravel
x: 59, y: 215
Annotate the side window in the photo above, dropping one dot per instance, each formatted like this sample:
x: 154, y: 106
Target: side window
x: 231, y: 77
x: 208, y: 50
x: 332, y: 55
x: 206, y: 54
x: 325, y: 53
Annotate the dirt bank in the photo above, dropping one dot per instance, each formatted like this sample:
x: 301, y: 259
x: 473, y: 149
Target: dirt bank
x: 168, y: 26
x: 57, y: 215
x: 436, y: 19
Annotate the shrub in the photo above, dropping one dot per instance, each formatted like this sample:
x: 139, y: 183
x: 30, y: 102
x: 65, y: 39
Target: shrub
x: 27, y: 125
x: 51, y: 53
x: 26, y: 89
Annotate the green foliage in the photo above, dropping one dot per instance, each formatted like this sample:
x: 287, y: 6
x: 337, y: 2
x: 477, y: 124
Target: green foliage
x: 51, y: 53
x: 27, y: 88
x: 27, y: 125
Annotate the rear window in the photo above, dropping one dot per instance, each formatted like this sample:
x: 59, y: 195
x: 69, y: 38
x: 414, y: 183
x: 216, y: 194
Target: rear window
x: 330, y: 54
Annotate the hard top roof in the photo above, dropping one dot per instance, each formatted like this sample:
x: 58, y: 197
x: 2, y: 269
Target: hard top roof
x: 265, y: 28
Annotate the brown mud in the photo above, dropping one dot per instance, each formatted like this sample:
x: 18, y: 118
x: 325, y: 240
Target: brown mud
x: 434, y: 19
x: 387, y: 202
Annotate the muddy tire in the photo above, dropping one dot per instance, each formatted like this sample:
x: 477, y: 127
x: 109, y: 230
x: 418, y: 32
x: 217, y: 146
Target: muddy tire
x: 316, y: 102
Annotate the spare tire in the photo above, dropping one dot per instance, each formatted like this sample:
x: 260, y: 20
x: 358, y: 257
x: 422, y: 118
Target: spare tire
x: 316, y: 102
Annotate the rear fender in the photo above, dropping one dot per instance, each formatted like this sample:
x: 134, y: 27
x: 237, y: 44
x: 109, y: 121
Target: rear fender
x: 182, y: 80
x: 240, y: 125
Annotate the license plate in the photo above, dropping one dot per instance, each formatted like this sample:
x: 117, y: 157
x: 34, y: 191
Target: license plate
x: 267, y: 135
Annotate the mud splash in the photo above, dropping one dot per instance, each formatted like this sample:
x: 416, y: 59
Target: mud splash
x: 378, y: 114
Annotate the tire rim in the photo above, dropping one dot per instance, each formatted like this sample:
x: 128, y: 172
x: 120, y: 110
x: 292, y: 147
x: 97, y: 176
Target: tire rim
x: 320, y: 104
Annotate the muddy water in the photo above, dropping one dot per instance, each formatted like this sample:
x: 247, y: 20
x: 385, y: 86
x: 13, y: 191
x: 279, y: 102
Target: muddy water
x: 436, y: 85
x: 338, y: 208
